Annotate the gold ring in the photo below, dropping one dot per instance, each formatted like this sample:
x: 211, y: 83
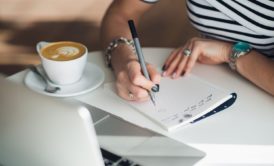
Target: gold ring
x: 187, y: 52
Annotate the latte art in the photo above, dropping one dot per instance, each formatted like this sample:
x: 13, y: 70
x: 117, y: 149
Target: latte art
x: 63, y: 51
x: 66, y: 51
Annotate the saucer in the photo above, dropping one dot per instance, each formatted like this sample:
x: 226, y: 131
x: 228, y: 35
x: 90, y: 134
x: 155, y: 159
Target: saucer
x: 92, y: 78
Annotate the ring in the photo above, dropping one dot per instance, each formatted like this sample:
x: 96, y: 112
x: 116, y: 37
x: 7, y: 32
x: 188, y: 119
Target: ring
x: 187, y: 52
x: 130, y: 95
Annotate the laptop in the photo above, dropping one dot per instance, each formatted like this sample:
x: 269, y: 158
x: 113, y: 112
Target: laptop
x: 37, y: 130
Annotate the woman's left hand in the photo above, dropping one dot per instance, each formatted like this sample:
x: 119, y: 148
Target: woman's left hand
x: 182, y: 59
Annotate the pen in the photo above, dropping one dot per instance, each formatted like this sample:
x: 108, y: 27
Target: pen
x: 140, y: 56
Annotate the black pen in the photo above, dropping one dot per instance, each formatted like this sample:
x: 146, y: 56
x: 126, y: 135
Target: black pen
x: 140, y: 56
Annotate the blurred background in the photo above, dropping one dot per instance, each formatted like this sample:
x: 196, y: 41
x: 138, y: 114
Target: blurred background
x: 25, y: 22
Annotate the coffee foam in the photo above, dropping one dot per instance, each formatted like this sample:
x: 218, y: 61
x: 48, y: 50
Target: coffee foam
x: 66, y: 51
x: 62, y: 51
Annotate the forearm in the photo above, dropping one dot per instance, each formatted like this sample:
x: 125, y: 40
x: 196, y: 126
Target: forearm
x: 115, y: 25
x: 115, y: 20
x: 258, y: 69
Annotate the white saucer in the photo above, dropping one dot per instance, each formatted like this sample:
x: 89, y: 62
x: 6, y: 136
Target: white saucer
x: 92, y: 78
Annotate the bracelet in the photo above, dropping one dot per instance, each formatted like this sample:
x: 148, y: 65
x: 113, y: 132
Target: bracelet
x: 114, y: 44
x: 238, y: 49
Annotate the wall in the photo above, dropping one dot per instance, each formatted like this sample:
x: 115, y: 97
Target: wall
x: 25, y: 22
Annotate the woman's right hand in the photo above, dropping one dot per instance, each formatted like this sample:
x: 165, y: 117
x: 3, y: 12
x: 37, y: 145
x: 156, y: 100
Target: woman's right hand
x: 130, y: 82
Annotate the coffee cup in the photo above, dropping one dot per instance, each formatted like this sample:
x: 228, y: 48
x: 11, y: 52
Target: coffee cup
x: 64, y: 61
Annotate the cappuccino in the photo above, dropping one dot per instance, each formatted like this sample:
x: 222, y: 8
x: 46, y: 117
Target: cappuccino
x: 64, y: 62
x: 63, y: 51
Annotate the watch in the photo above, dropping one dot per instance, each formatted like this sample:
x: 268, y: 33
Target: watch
x: 238, y: 49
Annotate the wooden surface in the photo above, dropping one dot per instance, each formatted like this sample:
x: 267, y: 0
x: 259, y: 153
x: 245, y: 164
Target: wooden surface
x: 25, y: 22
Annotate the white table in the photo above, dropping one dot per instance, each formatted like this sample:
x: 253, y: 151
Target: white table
x: 242, y: 134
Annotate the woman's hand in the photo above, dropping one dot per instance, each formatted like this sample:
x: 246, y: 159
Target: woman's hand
x: 130, y: 82
x: 202, y: 50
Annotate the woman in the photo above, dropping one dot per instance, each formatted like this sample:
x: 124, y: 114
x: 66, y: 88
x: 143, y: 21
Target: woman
x: 240, y: 33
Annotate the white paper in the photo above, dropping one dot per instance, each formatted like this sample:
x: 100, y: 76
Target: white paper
x: 179, y: 101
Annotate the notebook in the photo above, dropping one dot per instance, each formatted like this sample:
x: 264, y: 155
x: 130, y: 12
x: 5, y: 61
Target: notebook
x: 180, y: 101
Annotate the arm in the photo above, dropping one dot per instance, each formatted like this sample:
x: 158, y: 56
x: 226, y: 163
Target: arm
x: 253, y: 66
x: 258, y: 69
x: 129, y: 78
x: 115, y: 20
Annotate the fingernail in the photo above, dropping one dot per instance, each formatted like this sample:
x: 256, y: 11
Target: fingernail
x: 155, y: 88
x: 164, y: 74
x: 186, y: 73
x: 164, y: 68
x: 174, y: 75
x: 158, y: 86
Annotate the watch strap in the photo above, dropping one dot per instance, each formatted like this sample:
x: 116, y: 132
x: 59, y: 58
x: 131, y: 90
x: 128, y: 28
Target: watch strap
x: 238, y: 49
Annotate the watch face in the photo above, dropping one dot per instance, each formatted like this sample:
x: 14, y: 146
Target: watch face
x: 238, y: 49
x: 242, y: 47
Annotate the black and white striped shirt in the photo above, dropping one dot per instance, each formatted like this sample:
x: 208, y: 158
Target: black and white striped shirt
x: 251, y: 21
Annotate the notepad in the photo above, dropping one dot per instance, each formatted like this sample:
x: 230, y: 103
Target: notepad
x: 180, y: 101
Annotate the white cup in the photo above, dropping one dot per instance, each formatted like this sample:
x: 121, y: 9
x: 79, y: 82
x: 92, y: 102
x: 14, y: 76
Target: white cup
x: 62, y: 72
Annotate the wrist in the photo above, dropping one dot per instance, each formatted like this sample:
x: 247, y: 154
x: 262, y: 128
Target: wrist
x: 121, y: 56
x: 227, y: 52
x: 113, y: 46
x: 238, y: 50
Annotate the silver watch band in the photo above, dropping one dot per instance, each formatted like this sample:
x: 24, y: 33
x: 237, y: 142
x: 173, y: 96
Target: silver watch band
x: 238, y: 49
x: 232, y: 60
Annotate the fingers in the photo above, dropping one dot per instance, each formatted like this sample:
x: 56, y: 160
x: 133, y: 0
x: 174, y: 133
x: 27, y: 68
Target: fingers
x: 182, y: 60
x: 132, y: 85
x: 169, y: 59
x: 129, y: 91
x: 138, y: 79
x: 173, y: 62
x: 155, y: 76
x: 188, y: 62
x: 191, y: 61
x: 185, y: 58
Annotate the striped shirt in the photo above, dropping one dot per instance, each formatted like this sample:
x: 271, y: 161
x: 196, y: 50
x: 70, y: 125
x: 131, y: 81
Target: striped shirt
x: 251, y: 21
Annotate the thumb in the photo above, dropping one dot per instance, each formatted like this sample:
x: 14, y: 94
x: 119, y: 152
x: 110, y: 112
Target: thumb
x: 137, y: 78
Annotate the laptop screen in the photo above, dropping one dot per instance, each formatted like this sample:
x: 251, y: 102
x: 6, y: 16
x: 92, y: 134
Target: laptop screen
x: 41, y: 130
